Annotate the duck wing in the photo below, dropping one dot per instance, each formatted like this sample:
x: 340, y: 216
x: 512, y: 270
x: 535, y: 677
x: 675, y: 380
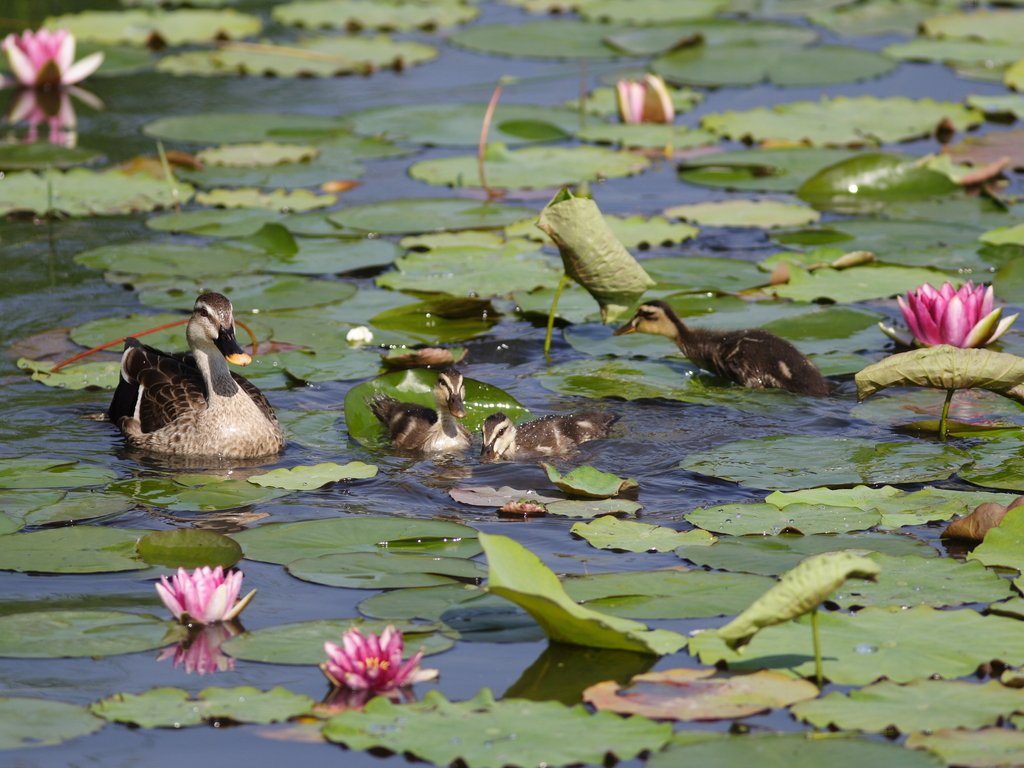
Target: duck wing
x: 157, y: 387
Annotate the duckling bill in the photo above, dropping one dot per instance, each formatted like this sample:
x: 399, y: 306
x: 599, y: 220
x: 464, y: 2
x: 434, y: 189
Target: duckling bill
x: 413, y: 427
x: 542, y: 437
x: 753, y: 358
x: 192, y: 403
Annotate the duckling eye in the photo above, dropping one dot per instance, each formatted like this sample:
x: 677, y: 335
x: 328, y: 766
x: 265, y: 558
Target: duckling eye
x: 502, y: 431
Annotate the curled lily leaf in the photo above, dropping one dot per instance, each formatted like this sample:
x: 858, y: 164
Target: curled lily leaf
x: 946, y: 367
x: 799, y: 591
x: 592, y: 255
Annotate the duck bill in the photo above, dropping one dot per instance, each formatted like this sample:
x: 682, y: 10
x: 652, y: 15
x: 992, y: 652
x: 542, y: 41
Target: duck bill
x: 488, y: 453
x: 457, y: 407
x: 228, y: 346
x: 627, y: 328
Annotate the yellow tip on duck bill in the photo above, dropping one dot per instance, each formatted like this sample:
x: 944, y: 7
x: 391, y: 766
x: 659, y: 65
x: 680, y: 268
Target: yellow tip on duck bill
x: 239, y: 358
x: 457, y: 407
x: 627, y: 328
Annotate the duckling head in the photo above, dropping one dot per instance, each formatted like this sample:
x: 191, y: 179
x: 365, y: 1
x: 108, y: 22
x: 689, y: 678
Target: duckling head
x: 654, y: 317
x: 499, y: 436
x: 213, y: 322
x: 450, y: 392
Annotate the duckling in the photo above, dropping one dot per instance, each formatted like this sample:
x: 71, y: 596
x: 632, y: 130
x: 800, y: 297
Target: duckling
x: 413, y: 427
x: 753, y: 358
x: 544, y: 436
x: 191, y: 403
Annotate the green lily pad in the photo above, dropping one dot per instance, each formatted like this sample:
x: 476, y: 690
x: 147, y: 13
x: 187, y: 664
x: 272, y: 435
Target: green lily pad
x: 791, y: 750
x: 315, y: 476
x: 51, y: 473
x: 193, y: 493
x: 629, y: 380
x: 667, y: 594
x: 456, y: 125
x: 385, y: 570
x: 765, y: 214
x: 770, y: 520
x: 649, y: 12
x: 639, y: 231
x: 592, y: 507
x: 428, y: 603
x: 323, y: 256
x: 487, y: 496
x: 256, y: 154
x: 42, y: 155
x: 142, y: 26
x: 704, y: 273
x: 247, y: 292
x: 219, y: 222
x: 843, y: 121
x: 990, y: 25
x: 437, y: 321
x: 981, y: 748
x: 148, y: 257
x: 416, y: 386
x: 187, y: 548
x: 78, y: 549
x: 589, y: 482
x: 783, y: 65
x: 660, y: 38
x: 918, y: 642
x: 405, y: 217
x: 539, y: 40
x: 358, y: 14
x: 518, y: 575
x: 9, y: 524
x: 1012, y: 104
x: 962, y: 51
x: 172, y: 707
x: 760, y: 170
x: 646, y: 136
x: 40, y: 723
x: 789, y: 462
x: 74, y: 376
x: 303, y: 642
x: 84, y: 192
x: 873, y: 281
x: 67, y: 634
x: 1001, y: 546
x: 877, y: 17
x: 479, y: 732
x: 239, y: 127
x: 278, y: 200
x: 772, y: 556
x: 284, y: 543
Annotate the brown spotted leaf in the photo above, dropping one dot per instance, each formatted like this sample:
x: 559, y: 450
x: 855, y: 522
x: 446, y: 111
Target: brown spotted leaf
x: 980, y: 521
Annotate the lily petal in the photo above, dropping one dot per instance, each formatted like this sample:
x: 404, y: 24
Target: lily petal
x: 81, y: 69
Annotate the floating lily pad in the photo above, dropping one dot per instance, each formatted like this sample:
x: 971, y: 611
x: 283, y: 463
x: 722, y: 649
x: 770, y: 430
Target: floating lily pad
x: 765, y: 214
x: 404, y: 217
x: 40, y: 723
x: 78, y: 549
x: 856, y: 283
x: 429, y: 603
x: 789, y: 462
x: 989, y: 25
x: 843, y: 121
x: 143, y: 26
x: 149, y: 257
x: 239, y: 127
x: 979, y: 749
x: 247, y: 292
x: 74, y: 376
x: 303, y: 642
x: 51, y: 473
x: 629, y: 380
x: 416, y: 386
x: 257, y: 154
x: 647, y: 136
x: 286, y: 542
x: 97, y: 332
x: 770, y: 520
x: 278, y: 200
x: 385, y: 570
x: 439, y: 320
x: 694, y: 694
x: 772, y: 556
x: 649, y: 12
x: 589, y: 482
x: 920, y: 705
x: 762, y: 170
x: 668, y: 593
x: 173, y: 708
x: 193, y: 493
x: 877, y: 17
x: 962, y: 51
x: 42, y: 155
x: 1012, y: 104
x: 486, y: 496
x: 660, y: 38
x: 705, y: 273
x: 186, y: 548
x: 322, y: 256
x: 66, y: 634
x: 592, y: 507
x: 358, y: 14
x: 539, y: 40
x: 316, y: 476
x: 456, y: 125
x: 84, y: 192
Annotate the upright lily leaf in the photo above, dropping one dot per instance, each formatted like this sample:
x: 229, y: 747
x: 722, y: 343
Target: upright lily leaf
x: 946, y: 367
x: 592, y: 255
x: 518, y: 575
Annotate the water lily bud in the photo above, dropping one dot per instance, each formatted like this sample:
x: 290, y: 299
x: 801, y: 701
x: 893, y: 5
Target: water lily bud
x: 359, y: 336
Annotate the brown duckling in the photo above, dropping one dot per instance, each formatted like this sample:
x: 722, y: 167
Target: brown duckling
x: 413, y: 427
x: 543, y: 437
x: 753, y: 358
x: 192, y: 403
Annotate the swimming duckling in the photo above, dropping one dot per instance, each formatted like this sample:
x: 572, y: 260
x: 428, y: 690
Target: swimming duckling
x: 544, y: 436
x: 192, y: 403
x: 753, y: 358
x: 413, y: 427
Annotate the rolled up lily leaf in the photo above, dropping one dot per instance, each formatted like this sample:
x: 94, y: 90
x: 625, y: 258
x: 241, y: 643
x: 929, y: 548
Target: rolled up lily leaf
x: 799, y: 591
x: 946, y: 367
x: 592, y: 255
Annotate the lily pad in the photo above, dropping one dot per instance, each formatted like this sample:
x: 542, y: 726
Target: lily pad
x: 323, y: 256
x: 990, y: 25
x: 530, y: 167
x: 261, y: 293
x: 67, y: 634
x: 518, y: 575
x: 918, y: 642
x: 979, y: 749
x: 765, y: 214
x: 647, y: 136
x: 630, y: 380
x: 303, y: 642
x: 456, y: 125
x: 959, y: 51
x: 611, y: 533
x: 789, y: 462
x: 760, y: 170
x: 315, y: 476
x: 185, y: 548
x: 769, y: 520
x: 240, y: 127
x: 704, y: 273
x: 286, y: 542
x: 877, y: 17
x: 650, y: 12
x: 874, y: 281
x: 385, y: 570
x: 416, y: 386
x: 592, y: 507
x: 173, y: 708
x: 358, y: 14
x: 404, y: 217
x: 438, y: 320
x: 589, y: 482
x: 28, y: 722
x: 486, y: 496
x: 660, y: 38
x: 43, y: 155
x: 278, y: 200
x: 842, y: 121
x: 540, y: 40
x: 51, y: 473
x: 149, y: 257
x: 74, y: 376
x: 429, y: 603
x: 78, y: 549
x: 145, y: 26
x: 193, y: 493
x: 84, y: 192
x: 479, y: 732
x: 694, y: 694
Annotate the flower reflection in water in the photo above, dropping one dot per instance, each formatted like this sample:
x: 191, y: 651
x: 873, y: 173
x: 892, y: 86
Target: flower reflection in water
x: 51, y: 108
x: 200, y: 651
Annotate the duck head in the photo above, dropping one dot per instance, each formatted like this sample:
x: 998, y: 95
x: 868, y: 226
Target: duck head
x: 654, y: 317
x: 499, y: 436
x: 450, y: 393
x: 213, y: 322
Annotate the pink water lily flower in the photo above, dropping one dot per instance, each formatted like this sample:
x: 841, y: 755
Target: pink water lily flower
x: 961, y: 318
x: 204, y: 596
x: 372, y: 663
x: 44, y: 58
x: 645, y: 101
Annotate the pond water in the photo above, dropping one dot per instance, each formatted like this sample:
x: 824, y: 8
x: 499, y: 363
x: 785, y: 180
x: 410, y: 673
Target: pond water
x: 45, y: 289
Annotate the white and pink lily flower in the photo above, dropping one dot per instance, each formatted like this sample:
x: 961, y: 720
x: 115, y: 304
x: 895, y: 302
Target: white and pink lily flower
x: 961, y: 318
x: 645, y: 101
x: 204, y: 596
x: 372, y: 663
x: 46, y: 59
